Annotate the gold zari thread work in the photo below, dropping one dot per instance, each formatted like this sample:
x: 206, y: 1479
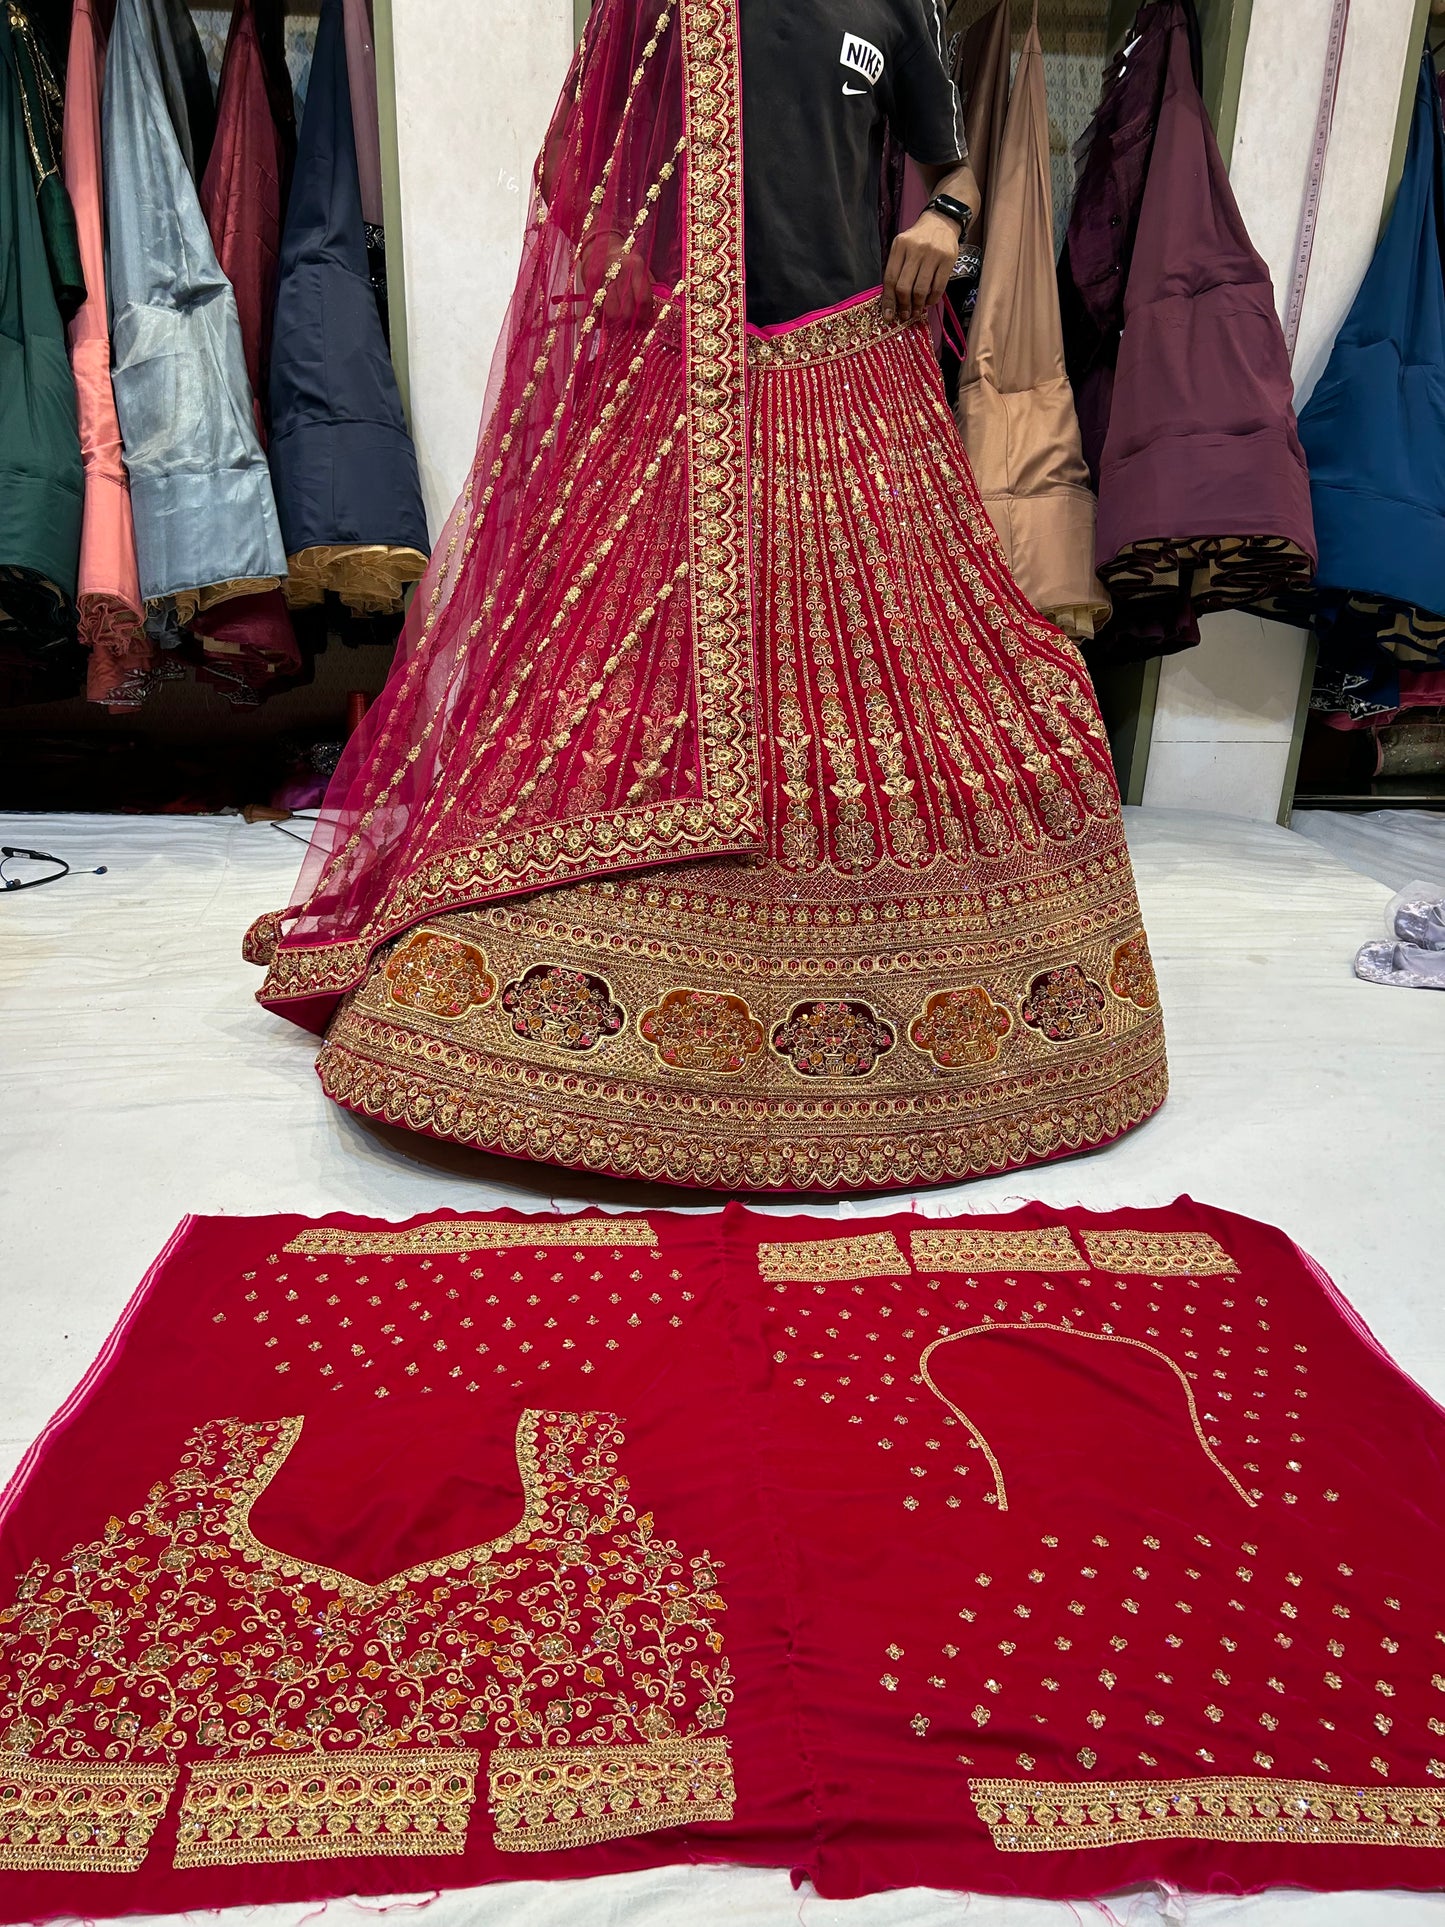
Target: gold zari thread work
x: 1051, y: 1249
x: 79, y: 1816
x: 1025, y: 1816
x: 1162, y: 1254
x: 472, y: 1234
x: 275, y: 1807
x: 877, y: 1254
x: 571, y: 1797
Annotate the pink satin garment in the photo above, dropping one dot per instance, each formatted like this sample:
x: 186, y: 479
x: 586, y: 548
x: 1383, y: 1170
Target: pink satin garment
x: 111, y: 612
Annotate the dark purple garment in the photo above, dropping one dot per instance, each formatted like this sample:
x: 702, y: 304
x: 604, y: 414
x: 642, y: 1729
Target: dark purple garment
x: 1182, y: 375
x: 1202, y: 438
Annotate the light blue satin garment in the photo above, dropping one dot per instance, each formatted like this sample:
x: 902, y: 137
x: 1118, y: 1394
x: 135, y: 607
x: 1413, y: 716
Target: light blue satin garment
x: 199, y: 482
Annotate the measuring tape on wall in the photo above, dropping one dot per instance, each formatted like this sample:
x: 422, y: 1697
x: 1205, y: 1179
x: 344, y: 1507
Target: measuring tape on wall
x: 1309, y: 217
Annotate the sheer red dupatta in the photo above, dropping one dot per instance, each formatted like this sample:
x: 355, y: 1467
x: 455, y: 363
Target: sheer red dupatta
x: 573, y: 694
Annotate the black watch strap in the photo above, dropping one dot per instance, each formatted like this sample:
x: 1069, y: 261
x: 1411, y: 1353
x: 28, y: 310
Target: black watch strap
x: 953, y: 210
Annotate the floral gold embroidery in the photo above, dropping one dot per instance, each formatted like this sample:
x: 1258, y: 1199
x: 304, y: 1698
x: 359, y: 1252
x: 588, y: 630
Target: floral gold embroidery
x: 1132, y: 974
x: 439, y: 974
x: 1064, y: 1004
x: 276, y: 1807
x: 844, y: 332
x: 961, y: 1028
x: 1162, y: 1254
x: 702, y: 1030
x: 961, y: 1248
x: 832, y: 1038
x: 876, y: 1254
x: 547, y: 1798
x: 82, y: 1816
x: 566, y: 1009
x: 473, y: 1234
x: 582, y: 1627
x: 1025, y: 1816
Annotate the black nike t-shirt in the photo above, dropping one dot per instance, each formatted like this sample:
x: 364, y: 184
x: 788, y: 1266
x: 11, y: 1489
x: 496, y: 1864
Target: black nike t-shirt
x: 821, y: 80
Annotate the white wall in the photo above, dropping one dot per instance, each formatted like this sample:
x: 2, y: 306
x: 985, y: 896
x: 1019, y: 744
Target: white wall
x: 475, y: 88
x: 1225, y: 713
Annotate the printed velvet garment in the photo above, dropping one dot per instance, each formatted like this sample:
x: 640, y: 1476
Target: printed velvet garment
x: 1044, y: 1553
x: 1015, y: 405
x: 1373, y: 431
x: 717, y: 591
x: 110, y: 610
x: 343, y: 462
x: 205, y: 517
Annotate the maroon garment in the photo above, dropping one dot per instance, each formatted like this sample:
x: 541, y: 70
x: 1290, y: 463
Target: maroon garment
x: 1202, y: 439
x: 243, y: 188
x: 249, y: 640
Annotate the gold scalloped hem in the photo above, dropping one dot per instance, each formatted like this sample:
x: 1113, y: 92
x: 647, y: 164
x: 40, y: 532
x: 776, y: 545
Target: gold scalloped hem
x: 79, y: 1816
x: 190, y: 603
x: 574, y: 1119
x: 272, y: 1808
x: 370, y: 577
x: 575, y: 1796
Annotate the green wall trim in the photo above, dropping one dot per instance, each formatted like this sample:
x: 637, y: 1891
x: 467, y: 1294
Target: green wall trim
x: 391, y: 198
x: 580, y: 11
x: 1297, y: 740
x: 1418, y: 27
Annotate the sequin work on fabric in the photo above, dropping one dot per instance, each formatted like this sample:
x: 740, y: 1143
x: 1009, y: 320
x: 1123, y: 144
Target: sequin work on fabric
x: 937, y: 970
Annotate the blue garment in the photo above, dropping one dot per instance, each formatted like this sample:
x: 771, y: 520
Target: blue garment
x: 199, y: 485
x: 1374, y: 428
x: 341, y: 458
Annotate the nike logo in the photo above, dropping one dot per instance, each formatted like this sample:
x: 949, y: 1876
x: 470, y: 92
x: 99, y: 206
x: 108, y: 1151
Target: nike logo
x: 853, y: 90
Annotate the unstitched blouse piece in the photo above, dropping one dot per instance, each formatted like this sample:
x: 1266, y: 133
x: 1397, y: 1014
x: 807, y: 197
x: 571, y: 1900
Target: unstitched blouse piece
x: 205, y: 517
x: 1048, y: 1553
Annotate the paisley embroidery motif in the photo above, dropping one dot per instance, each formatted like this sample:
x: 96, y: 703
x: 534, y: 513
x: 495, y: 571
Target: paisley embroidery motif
x: 960, y: 1028
x: 1132, y: 976
x: 832, y: 1038
x: 1064, y: 1004
x: 568, y: 1009
x: 440, y: 975
x: 702, y: 1030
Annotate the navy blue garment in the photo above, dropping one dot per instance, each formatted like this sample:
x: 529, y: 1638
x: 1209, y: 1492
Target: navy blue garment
x: 342, y: 461
x: 1374, y: 428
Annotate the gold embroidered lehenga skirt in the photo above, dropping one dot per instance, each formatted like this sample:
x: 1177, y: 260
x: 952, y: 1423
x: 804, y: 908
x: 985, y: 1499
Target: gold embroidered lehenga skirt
x: 936, y: 970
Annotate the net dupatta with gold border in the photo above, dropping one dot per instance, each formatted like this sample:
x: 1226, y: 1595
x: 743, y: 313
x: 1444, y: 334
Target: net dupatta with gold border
x: 574, y: 690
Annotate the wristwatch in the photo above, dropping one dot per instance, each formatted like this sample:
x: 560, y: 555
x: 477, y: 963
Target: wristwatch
x: 951, y: 210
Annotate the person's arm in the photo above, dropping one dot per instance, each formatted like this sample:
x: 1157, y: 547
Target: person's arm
x: 921, y: 260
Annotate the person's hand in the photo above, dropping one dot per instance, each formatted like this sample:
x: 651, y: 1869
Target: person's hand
x: 920, y: 266
x: 628, y: 294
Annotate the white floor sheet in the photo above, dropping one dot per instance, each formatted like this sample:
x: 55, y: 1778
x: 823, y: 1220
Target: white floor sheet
x: 139, y: 1082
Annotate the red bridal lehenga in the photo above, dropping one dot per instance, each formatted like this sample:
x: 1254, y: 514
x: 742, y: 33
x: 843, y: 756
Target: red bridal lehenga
x: 730, y: 817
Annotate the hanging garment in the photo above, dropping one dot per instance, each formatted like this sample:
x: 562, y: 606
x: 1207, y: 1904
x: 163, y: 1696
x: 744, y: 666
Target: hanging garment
x: 40, y: 467
x: 248, y: 640
x: 205, y: 518
x: 366, y: 127
x: 1374, y: 429
x: 343, y: 462
x: 1203, y: 491
x: 718, y: 589
x: 371, y: 1581
x: 1015, y: 406
x: 111, y: 614
x: 43, y: 109
x: 981, y: 71
x: 1048, y: 1553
